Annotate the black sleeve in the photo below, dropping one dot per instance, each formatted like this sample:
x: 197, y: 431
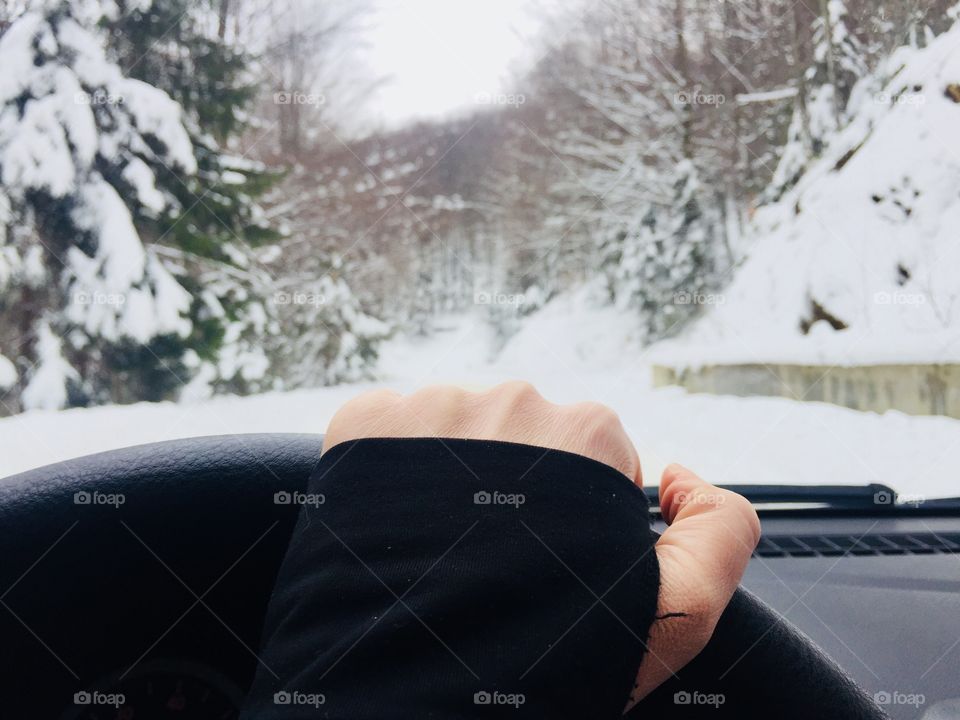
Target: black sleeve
x: 433, y: 578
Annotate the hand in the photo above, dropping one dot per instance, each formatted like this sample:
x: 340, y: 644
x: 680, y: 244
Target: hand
x: 512, y: 412
x: 702, y: 554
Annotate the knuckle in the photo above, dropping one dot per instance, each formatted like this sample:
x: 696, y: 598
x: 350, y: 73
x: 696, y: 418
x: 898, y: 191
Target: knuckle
x: 747, y: 513
x: 515, y: 396
x: 739, y: 502
x: 674, y: 472
x: 517, y: 390
x: 596, y: 417
x: 601, y: 433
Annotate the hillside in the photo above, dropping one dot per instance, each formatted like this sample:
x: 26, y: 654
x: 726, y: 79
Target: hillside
x: 857, y: 263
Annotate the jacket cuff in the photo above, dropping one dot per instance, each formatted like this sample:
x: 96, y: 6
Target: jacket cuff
x: 435, y: 577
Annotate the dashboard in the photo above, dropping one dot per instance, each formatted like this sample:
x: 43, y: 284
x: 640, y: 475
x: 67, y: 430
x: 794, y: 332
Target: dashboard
x: 890, y: 618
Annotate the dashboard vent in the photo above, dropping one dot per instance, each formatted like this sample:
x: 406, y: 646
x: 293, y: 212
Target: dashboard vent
x: 835, y: 545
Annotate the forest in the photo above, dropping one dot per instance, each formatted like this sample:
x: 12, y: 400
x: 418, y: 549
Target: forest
x: 188, y: 202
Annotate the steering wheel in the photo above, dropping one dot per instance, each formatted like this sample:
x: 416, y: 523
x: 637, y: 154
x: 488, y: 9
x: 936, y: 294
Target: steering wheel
x: 140, y: 577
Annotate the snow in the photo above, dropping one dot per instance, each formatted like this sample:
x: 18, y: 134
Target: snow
x: 50, y: 140
x: 47, y: 388
x: 171, y: 300
x: 572, y: 351
x: 768, y: 96
x: 35, y: 148
x: 120, y: 254
x: 156, y: 113
x: 66, y: 112
x: 109, y: 294
x: 34, y: 271
x: 18, y: 55
x: 576, y: 330
x: 8, y: 373
x: 141, y: 178
x: 869, y: 233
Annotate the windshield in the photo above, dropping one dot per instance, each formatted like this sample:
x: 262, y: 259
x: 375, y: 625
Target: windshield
x: 734, y: 223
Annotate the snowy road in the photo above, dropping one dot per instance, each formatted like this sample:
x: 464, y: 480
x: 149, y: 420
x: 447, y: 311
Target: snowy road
x: 728, y: 440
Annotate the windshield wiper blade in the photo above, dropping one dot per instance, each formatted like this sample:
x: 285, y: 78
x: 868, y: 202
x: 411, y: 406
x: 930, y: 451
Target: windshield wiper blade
x: 874, y: 496
x: 836, y: 497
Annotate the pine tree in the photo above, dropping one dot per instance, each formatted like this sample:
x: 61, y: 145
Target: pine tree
x: 256, y: 333
x: 219, y: 233
x: 129, y: 233
x: 80, y: 145
x: 665, y: 265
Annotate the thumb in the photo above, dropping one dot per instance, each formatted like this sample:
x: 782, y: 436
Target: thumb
x: 702, y: 555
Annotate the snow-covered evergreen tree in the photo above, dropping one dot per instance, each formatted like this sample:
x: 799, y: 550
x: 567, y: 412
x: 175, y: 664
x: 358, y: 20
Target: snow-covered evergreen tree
x: 127, y: 232
x: 328, y: 338
x: 80, y: 147
x: 220, y: 236
x: 666, y: 265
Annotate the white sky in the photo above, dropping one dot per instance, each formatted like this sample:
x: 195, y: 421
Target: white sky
x: 438, y: 55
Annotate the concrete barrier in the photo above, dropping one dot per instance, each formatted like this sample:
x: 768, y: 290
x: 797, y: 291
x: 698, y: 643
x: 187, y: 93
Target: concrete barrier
x: 912, y: 389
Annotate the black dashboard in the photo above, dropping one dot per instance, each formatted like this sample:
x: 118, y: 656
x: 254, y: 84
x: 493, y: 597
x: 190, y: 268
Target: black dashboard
x: 890, y: 618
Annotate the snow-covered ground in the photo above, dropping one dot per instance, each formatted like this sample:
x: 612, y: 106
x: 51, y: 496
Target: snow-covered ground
x: 572, y: 351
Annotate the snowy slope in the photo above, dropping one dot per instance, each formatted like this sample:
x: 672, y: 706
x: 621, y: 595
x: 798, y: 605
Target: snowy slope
x: 729, y: 440
x: 871, y: 233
